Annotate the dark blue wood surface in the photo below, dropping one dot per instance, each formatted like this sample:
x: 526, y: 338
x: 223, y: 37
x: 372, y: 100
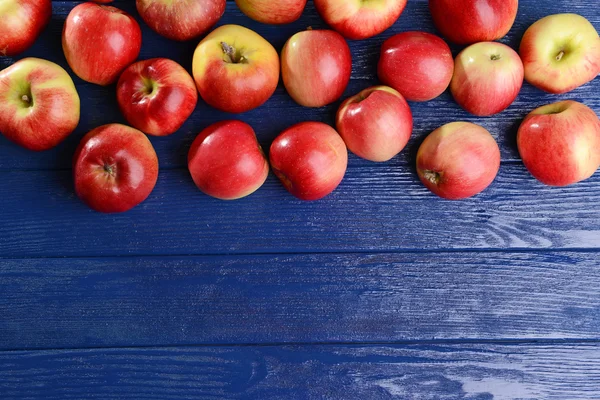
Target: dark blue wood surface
x: 379, y: 291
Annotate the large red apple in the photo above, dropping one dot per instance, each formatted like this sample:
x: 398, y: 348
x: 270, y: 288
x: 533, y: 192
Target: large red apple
x: 100, y: 41
x: 156, y: 96
x: 310, y: 159
x: 39, y: 105
x: 458, y: 160
x: 316, y: 67
x: 180, y: 19
x: 472, y: 21
x: 560, y: 53
x: 488, y: 76
x: 376, y: 123
x: 360, y: 19
x: 227, y: 162
x: 560, y: 143
x: 419, y: 65
x: 272, y: 12
x: 235, y: 69
x: 21, y: 22
x: 115, y: 168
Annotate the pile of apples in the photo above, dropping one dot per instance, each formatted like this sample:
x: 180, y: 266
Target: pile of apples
x: 236, y: 70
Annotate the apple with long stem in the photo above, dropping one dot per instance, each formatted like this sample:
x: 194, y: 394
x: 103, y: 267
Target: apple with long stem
x: 115, y: 168
x: 39, y: 105
x: 560, y: 53
x: 458, y: 160
x: 156, y: 96
x: 100, y: 41
x: 21, y: 23
x: 560, y: 143
x: 375, y: 124
x: 235, y: 69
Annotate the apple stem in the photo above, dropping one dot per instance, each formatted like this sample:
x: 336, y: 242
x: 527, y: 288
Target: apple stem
x: 231, y: 53
x: 560, y: 55
x: 26, y: 99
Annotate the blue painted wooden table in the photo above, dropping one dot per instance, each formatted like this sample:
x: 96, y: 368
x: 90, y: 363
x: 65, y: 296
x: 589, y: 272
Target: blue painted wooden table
x: 379, y: 291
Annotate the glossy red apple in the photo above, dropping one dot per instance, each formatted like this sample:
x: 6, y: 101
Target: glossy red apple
x: 227, y: 162
x: 39, y: 105
x: 560, y: 143
x: 560, y: 53
x: 235, y: 69
x: 376, y: 123
x: 99, y: 42
x: 272, y: 12
x: 156, y: 96
x: 419, y: 65
x: 360, y: 19
x: 115, y: 168
x: 310, y: 159
x: 472, y: 21
x: 180, y: 19
x: 316, y: 67
x: 458, y: 160
x: 488, y: 76
x: 21, y: 22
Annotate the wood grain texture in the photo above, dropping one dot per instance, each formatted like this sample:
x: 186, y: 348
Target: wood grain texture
x: 476, y: 372
x: 99, y: 104
x: 375, y: 208
x: 141, y: 301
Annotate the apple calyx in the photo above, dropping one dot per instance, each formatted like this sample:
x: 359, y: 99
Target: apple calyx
x: 432, y: 176
x: 495, y: 57
x: 234, y: 56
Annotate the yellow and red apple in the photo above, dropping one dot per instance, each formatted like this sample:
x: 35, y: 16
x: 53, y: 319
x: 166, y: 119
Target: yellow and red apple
x: 21, y: 22
x: 272, y: 12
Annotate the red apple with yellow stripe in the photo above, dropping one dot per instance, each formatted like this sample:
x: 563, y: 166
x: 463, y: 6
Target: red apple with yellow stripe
x: 21, y: 22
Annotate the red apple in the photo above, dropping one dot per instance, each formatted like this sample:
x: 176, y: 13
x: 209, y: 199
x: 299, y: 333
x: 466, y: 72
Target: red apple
x: 472, y: 21
x: 272, y: 12
x: 21, y: 22
x: 235, y: 69
x: 39, y: 105
x: 360, y: 19
x: 115, y: 168
x: 458, y: 160
x: 227, y: 162
x: 419, y: 65
x: 488, y: 76
x: 180, y: 19
x: 316, y: 67
x: 100, y: 41
x: 560, y: 53
x: 560, y: 143
x: 156, y: 96
x: 310, y: 159
x: 376, y: 123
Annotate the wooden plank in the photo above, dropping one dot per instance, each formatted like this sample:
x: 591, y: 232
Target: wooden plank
x: 374, y: 209
x: 99, y: 105
x: 74, y: 303
x: 425, y: 372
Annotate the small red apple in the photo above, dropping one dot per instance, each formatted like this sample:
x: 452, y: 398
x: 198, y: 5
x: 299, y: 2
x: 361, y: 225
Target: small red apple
x: 115, y: 168
x: 272, y: 12
x: 310, y: 159
x: 472, y: 21
x: 560, y: 53
x: 316, y: 67
x: 181, y: 19
x: 100, y: 41
x: 419, y: 65
x: 227, y: 162
x: 21, y: 22
x: 235, y: 69
x: 360, y: 19
x: 156, y: 96
x: 488, y: 76
x: 560, y: 143
x: 376, y: 123
x: 458, y: 160
x: 39, y: 105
